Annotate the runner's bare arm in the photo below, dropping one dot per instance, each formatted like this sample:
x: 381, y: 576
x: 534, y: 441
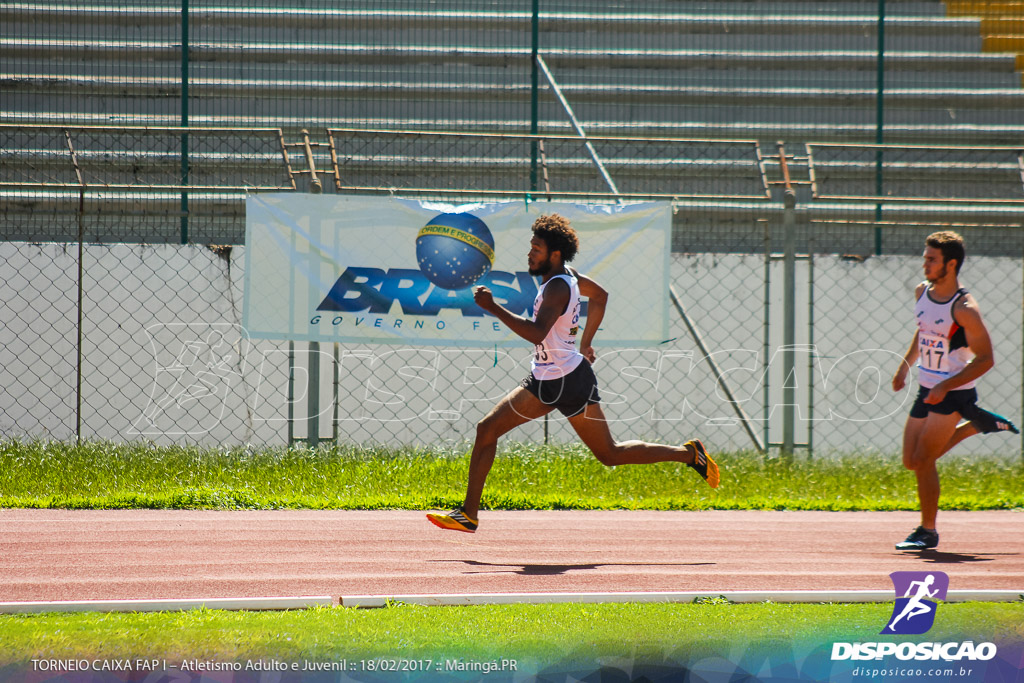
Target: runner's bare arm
x: 597, y: 297
x: 556, y: 298
x: 967, y: 315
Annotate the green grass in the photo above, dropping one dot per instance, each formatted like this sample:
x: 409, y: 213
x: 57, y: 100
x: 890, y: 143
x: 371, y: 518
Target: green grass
x: 103, y: 475
x: 543, y: 633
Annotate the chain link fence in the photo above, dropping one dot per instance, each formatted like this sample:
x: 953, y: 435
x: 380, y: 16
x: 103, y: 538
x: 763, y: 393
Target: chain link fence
x: 135, y: 184
x: 807, y: 149
x: 122, y: 285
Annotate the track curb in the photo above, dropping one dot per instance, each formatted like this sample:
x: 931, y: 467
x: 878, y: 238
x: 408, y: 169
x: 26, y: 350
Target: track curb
x: 674, y: 597
x: 255, y: 604
x: 479, y: 599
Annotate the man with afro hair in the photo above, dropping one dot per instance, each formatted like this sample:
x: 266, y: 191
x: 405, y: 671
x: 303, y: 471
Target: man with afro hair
x: 560, y: 375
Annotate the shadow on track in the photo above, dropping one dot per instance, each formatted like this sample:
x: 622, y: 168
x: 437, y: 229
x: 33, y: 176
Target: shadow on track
x: 939, y: 557
x: 557, y: 569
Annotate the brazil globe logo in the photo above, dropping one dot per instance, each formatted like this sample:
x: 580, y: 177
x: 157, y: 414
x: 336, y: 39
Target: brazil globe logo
x: 455, y: 250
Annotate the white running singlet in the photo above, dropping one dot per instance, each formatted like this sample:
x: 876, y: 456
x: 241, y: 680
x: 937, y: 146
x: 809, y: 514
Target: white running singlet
x: 941, y: 342
x: 557, y: 355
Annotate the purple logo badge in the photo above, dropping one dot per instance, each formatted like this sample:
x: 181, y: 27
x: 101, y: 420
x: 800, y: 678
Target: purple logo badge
x: 914, y: 611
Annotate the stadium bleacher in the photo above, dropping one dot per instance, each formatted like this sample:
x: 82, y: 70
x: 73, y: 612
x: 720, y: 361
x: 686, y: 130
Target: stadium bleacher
x: 795, y: 70
x: 746, y: 70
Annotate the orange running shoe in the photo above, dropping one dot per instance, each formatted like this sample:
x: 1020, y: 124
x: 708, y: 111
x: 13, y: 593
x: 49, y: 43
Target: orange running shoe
x: 456, y: 520
x: 702, y: 462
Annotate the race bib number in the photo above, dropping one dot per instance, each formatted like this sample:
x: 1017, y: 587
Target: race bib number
x: 933, y: 352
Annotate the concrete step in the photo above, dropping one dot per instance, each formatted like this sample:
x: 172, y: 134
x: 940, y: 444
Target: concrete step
x: 155, y: 86
x: 448, y: 76
x: 951, y: 133
x: 274, y: 53
x: 646, y: 22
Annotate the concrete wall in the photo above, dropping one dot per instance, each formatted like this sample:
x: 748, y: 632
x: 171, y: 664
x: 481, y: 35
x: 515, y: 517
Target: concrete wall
x: 165, y: 357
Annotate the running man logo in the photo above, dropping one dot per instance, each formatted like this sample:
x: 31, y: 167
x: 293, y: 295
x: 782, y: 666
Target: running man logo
x: 914, y: 613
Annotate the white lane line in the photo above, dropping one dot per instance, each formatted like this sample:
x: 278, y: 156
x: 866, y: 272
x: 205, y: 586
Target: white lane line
x: 281, y: 603
x: 680, y: 597
x: 304, y: 602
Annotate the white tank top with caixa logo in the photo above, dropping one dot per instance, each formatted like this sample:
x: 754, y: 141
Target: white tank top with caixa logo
x: 941, y: 342
x: 557, y: 355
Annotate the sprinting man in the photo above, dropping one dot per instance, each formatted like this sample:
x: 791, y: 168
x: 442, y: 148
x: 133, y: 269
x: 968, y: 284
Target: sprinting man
x: 915, y: 606
x: 952, y: 349
x: 561, y: 376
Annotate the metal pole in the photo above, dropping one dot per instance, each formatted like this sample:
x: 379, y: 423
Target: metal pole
x: 313, y: 397
x: 81, y: 286
x: 337, y: 388
x: 184, y: 119
x: 544, y: 169
x: 788, y: 311
x: 534, y: 92
x: 813, y: 354
x: 765, y: 378
x: 789, y: 328
x: 291, y: 393
x: 291, y: 351
x: 313, y: 386
x: 879, y: 123
x: 81, y: 299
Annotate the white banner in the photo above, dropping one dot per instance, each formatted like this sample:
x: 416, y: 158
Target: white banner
x: 382, y: 270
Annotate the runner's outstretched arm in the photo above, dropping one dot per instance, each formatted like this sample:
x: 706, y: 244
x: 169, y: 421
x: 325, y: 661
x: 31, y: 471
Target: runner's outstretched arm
x: 534, y: 331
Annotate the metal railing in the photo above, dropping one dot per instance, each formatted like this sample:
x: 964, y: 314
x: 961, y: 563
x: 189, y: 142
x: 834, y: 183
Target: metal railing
x: 805, y: 205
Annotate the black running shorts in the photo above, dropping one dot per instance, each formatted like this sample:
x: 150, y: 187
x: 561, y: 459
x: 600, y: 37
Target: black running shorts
x: 957, y: 401
x: 570, y: 394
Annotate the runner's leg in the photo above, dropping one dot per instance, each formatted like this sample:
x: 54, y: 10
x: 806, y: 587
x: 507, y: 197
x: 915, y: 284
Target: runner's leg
x: 592, y: 427
x: 911, y: 434
x: 963, y: 431
x: 517, y: 408
x: 935, y: 434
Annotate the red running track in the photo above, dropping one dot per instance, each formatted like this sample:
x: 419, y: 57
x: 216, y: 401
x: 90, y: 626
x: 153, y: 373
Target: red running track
x: 50, y: 555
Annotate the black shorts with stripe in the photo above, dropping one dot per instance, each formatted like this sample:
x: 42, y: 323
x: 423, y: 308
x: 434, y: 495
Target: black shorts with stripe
x: 963, y: 401
x: 570, y: 394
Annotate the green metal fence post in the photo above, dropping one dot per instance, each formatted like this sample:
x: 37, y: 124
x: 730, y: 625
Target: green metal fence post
x: 766, y: 348
x: 184, y: 119
x: 81, y: 317
x: 879, y: 123
x: 534, y: 91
